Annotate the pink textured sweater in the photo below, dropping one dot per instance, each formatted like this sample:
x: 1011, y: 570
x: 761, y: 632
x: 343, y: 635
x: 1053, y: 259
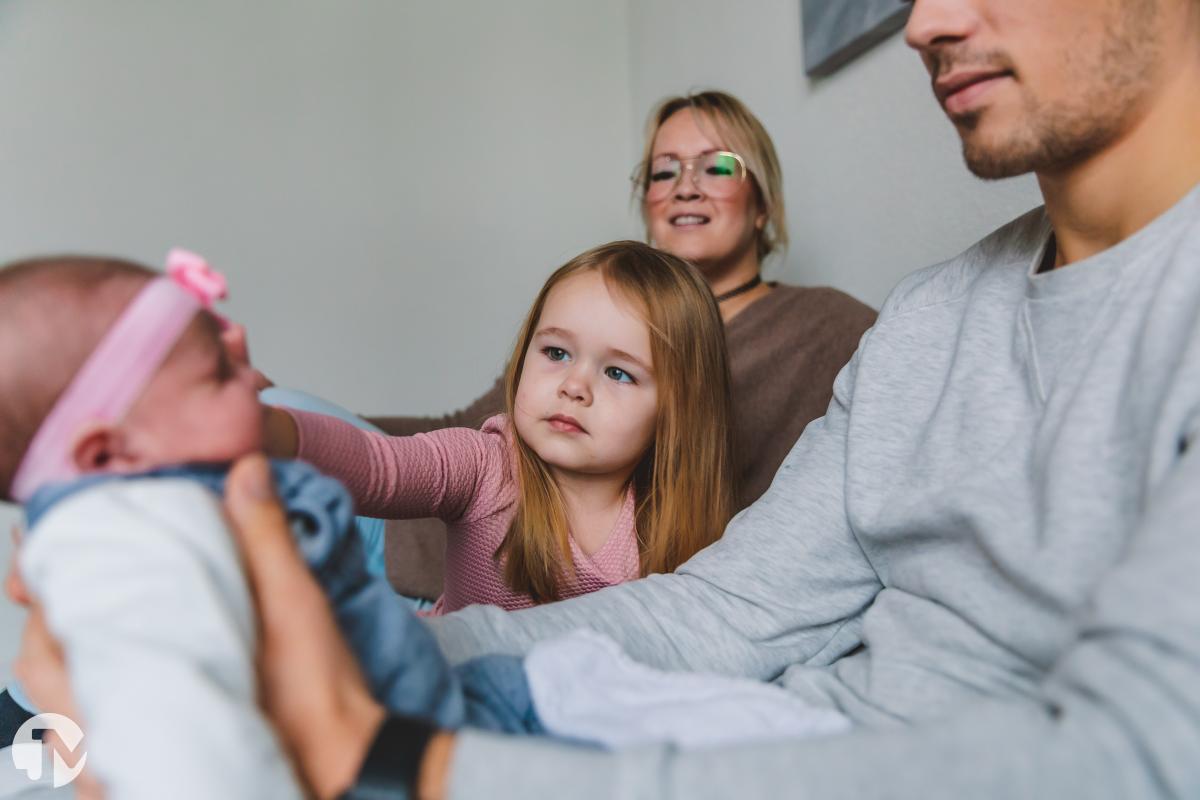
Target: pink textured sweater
x: 466, y: 478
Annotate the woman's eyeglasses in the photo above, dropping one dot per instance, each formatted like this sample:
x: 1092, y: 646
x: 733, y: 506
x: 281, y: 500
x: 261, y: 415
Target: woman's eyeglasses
x: 718, y: 173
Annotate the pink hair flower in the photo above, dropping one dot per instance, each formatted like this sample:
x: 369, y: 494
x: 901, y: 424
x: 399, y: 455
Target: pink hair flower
x: 194, y: 274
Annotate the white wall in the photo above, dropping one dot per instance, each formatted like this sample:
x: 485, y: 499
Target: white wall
x: 873, y: 175
x: 386, y: 183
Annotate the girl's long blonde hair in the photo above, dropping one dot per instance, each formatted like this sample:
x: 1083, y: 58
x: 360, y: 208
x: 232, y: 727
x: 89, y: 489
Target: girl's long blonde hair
x: 684, y: 483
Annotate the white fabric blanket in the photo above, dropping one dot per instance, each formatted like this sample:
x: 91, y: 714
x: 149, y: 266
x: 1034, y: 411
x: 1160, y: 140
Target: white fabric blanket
x: 584, y: 687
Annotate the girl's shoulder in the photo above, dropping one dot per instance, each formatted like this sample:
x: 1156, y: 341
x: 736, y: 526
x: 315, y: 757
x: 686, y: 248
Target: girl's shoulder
x: 500, y: 426
x: 494, y: 435
x: 478, y: 466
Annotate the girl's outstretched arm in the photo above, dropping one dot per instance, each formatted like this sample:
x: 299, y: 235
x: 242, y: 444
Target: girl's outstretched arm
x: 455, y: 474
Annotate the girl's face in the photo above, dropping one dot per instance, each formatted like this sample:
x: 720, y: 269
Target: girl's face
x: 707, y: 231
x: 587, y: 401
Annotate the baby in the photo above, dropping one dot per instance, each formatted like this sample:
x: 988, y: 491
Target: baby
x: 120, y: 409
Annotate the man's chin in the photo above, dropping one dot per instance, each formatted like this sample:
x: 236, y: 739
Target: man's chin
x: 991, y: 158
x: 988, y: 167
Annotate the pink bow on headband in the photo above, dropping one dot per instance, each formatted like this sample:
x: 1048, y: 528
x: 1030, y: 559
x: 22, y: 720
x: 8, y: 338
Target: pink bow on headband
x: 193, y: 273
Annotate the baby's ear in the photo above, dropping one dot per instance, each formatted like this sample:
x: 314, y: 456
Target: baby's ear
x: 103, y: 447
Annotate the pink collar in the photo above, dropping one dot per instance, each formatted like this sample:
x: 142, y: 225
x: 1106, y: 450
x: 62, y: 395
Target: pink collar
x: 119, y: 369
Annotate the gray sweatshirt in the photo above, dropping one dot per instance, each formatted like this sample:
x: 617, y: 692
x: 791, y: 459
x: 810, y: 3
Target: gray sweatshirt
x: 987, y: 554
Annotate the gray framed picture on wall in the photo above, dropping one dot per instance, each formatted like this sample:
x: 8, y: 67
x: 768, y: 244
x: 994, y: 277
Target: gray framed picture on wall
x: 836, y: 31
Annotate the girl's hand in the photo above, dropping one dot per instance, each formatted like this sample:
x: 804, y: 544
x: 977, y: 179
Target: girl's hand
x: 311, y: 685
x: 280, y: 437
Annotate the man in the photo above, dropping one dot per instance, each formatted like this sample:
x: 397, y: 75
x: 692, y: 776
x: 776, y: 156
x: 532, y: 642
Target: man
x: 985, y: 554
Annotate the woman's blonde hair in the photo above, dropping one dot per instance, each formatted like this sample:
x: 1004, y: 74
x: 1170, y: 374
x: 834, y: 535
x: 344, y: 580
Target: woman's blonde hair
x: 736, y: 128
x: 684, y: 483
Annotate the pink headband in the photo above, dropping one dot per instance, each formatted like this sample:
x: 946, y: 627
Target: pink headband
x: 118, y: 370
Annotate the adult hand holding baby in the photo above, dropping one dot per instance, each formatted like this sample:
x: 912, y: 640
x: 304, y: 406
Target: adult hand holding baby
x: 312, y: 688
x: 311, y: 685
x: 42, y: 670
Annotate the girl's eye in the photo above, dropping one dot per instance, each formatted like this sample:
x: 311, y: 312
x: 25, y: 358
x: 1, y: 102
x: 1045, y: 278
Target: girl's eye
x: 555, y: 353
x: 619, y: 375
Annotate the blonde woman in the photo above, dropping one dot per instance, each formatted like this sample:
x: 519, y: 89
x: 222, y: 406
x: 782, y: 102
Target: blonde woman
x: 711, y: 191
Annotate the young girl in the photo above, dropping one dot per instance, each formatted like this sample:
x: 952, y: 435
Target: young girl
x: 612, y: 462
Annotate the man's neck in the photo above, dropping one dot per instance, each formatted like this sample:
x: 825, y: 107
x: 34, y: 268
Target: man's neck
x: 1104, y: 200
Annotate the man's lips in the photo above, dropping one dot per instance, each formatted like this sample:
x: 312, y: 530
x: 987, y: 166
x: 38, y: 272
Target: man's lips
x: 959, y: 90
x: 565, y: 424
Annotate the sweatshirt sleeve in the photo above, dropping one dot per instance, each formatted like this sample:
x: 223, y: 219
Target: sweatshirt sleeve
x: 1117, y: 716
x: 787, y: 583
x: 452, y: 474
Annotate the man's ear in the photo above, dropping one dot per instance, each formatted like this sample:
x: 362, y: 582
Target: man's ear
x: 104, y: 447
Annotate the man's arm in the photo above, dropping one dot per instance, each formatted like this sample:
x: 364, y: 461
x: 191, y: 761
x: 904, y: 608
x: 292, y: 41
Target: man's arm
x: 1118, y: 716
x: 787, y: 582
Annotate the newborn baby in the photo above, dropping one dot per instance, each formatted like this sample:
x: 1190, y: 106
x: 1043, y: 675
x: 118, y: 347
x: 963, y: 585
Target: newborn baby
x: 120, y: 409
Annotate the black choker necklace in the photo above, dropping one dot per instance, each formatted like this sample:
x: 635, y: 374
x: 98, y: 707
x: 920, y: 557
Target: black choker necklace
x: 745, y: 287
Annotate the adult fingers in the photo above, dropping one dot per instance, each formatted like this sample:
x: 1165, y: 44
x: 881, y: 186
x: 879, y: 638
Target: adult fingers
x: 312, y: 688
x: 14, y: 585
x: 41, y: 668
x: 261, y: 528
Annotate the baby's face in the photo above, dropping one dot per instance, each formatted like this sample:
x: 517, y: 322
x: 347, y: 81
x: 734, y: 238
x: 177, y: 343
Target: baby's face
x: 200, y: 407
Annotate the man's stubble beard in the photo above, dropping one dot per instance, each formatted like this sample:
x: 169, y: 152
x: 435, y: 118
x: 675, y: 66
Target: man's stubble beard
x: 1113, y: 83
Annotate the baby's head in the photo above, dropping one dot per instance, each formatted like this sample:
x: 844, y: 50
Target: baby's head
x: 194, y: 405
